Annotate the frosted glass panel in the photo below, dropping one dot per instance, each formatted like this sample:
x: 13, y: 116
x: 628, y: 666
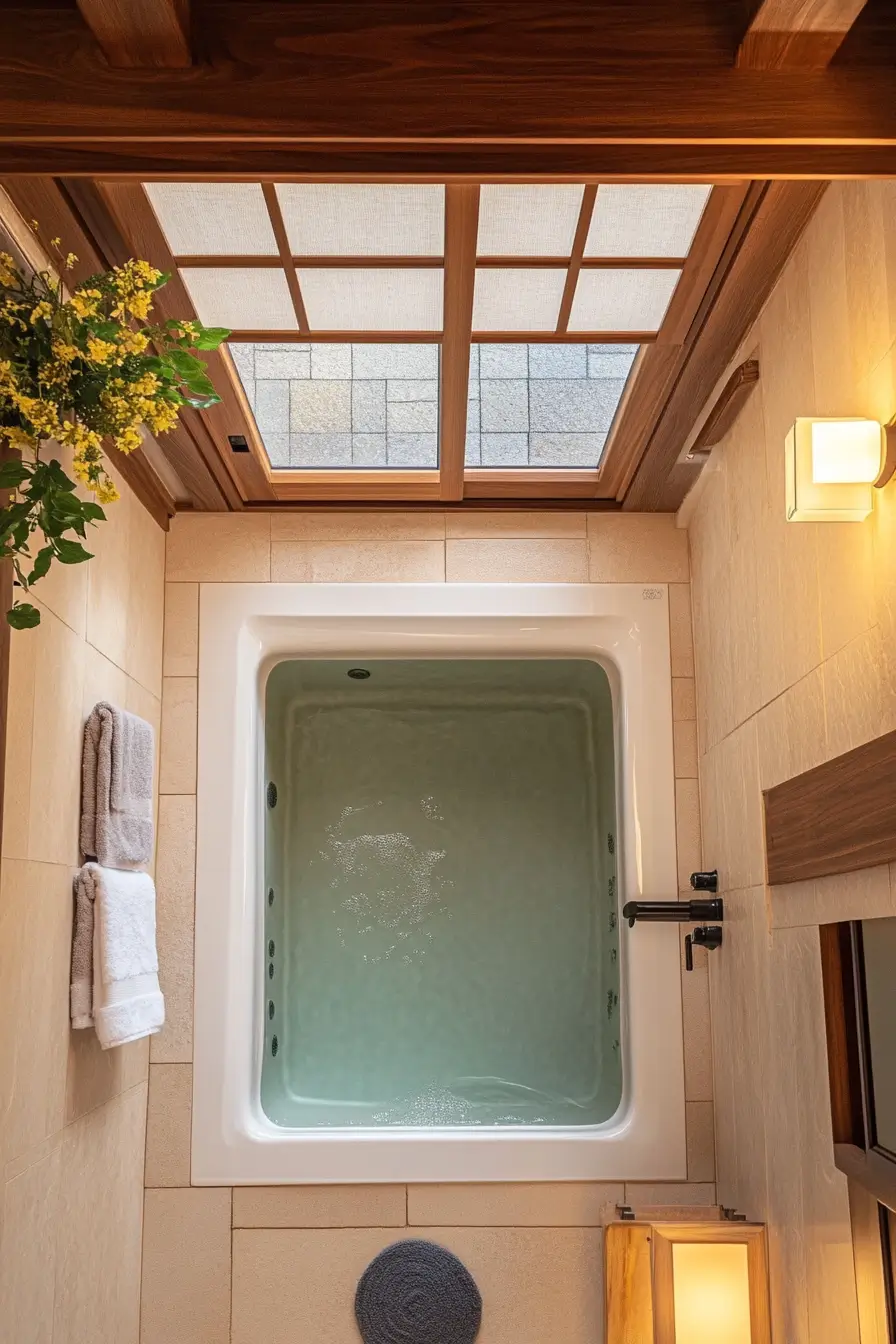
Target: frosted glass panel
x: 621, y: 300
x: 254, y: 298
x: 354, y: 299
x: 711, y: 1293
x: 218, y: 219
x: 518, y: 299
x: 645, y: 221
x: 528, y: 221
x: 353, y: 219
x: 329, y: 405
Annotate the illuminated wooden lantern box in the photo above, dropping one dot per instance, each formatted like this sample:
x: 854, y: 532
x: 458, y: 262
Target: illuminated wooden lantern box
x: 686, y: 1283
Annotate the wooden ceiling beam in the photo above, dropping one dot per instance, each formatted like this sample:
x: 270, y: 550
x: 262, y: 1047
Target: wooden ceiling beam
x: 135, y: 34
x: 355, y: 87
x: 796, y: 34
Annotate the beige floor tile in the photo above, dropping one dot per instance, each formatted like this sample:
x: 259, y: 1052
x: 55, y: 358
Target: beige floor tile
x: 680, y: 636
x: 701, y: 1141
x: 684, y: 743
x: 659, y: 1194
x: 181, y: 642
x: 539, y: 1204
x: 219, y: 548
x: 186, y: 1269
x: 510, y: 523
x: 636, y: 548
x: 175, y: 893
x: 360, y: 561
x: 55, y: 784
x: 168, y: 1118
x: 28, y: 1251
x: 320, y: 1206
x: 145, y: 600
x: 35, y: 952
x: 513, y: 560
x: 684, y: 699
x: 108, y: 580
x: 19, y: 732
x: 386, y: 526
x: 177, y: 762
x: 537, y: 1284
x: 687, y: 830
x: 99, y: 1225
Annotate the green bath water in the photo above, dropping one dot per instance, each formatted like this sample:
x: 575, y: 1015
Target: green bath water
x: 440, y: 898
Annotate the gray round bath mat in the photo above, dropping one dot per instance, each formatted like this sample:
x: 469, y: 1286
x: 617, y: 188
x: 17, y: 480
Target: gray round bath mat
x: 415, y: 1292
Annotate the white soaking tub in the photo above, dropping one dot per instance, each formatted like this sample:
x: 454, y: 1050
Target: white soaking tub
x: 420, y: 811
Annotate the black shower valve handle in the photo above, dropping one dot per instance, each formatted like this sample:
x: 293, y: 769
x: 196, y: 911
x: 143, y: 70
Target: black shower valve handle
x: 706, y: 881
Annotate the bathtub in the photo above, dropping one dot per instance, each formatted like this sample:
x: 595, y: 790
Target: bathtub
x: 247, y: 633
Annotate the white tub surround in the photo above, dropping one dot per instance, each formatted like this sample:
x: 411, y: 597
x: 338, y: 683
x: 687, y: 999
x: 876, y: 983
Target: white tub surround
x: 244, y: 630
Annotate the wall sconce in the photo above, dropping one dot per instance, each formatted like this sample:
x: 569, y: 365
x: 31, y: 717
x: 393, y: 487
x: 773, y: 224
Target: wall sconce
x: 686, y: 1283
x: 832, y: 467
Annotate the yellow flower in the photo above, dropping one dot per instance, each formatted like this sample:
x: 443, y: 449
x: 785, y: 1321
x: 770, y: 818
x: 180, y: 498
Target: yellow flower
x: 54, y: 242
x: 85, y: 302
x: 100, y: 351
x: 132, y: 342
x: 19, y: 439
x: 67, y: 353
x: 106, y: 492
x: 7, y: 269
x: 85, y: 441
x: 70, y: 261
x: 129, y: 439
x: 162, y: 417
x: 42, y: 415
x: 43, y: 310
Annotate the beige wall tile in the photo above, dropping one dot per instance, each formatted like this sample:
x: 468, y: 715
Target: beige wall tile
x: 866, y: 894
x: 103, y: 680
x: 483, y: 523
x: 28, y: 1251
x: 845, y: 583
x: 181, y: 647
x: 168, y: 1118
x: 536, y: 1283
x: 658, y: 1194
x: 792, y: 733
x: 219, y: 548
x: 687, y: 830
x: 175, y: 891
x: 320, y: 1206
x: 35, y: 952
x: 684, y: 742
x: 386, y: 526
x: 108, y: 580
x: 186, y: 1268
x: 177, y: 763
x: 145, y: 600
x: 680, y: 637
x: 697, y: 1034
x: 636, y: 548
x: 358, y: 561
x: 512, y: 560
x: 858, y: 704
x: 537, y: 1204
x: 793, y: 905
x: 700, y: 1141
x: 94, y: 1076
x: 19, y: 732
x: 55, y: 792
x: 684, y: 699
x: 99, y: 1225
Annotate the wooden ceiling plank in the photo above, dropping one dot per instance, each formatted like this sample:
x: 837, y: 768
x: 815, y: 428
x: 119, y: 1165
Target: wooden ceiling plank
x: 461, y: 229
x: 586, y: 210
x: 796, y: 34
x: 134, y: 34
x: 269, y: 191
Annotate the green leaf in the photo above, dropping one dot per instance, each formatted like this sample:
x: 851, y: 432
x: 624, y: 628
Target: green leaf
x: 42, y: 562
x: 92, y: 512
x: 71, y: 552
x: 58, y: 476
x: 203, y: 403
x: 12, y: 474
x: 23, y: 616
x: 201, y: 385
x: 188, y: 366
x: 210, y: 338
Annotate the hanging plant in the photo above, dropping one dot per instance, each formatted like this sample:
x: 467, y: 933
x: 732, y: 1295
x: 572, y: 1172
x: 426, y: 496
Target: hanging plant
x: 81, y: 370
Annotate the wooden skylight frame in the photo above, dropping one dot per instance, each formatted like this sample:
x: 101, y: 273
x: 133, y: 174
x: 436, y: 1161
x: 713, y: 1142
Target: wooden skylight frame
x: 453, y: 481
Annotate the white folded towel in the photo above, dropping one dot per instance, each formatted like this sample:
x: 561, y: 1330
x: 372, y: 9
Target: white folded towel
x: 115, y: 980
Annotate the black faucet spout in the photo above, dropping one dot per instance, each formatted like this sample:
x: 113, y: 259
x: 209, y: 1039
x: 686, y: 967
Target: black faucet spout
x: 697, y: 911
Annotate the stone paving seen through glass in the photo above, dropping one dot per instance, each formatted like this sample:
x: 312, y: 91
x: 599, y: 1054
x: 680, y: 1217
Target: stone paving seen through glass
x: 322, y: 405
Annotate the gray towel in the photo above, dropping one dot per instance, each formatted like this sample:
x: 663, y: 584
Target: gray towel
x: 116, y: 788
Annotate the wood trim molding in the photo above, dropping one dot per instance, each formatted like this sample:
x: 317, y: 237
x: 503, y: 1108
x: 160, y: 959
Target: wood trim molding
x: 140, y: 33
x: 252, y: 261
x: 275, y: 214
x: 725, y: 409
x: 837, y: 818
x: 796, y: 34
x: 461, y: 230
x: 586, y: 211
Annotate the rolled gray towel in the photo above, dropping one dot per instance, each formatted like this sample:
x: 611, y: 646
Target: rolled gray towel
x: 116, y: 788
x: 415, y: 1292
